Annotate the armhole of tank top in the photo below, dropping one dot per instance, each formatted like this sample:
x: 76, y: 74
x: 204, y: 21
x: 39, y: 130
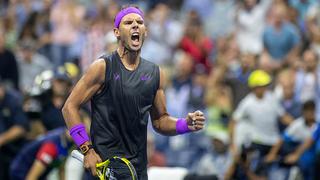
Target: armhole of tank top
x: 103, y: 89
x: 158, y: 79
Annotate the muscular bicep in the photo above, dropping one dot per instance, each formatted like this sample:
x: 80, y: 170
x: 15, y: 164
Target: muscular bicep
x: 159, y: 104
x: 87, y: 86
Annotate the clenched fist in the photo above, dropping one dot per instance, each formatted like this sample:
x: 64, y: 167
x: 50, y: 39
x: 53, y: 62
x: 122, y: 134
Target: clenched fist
x: 195, y: 120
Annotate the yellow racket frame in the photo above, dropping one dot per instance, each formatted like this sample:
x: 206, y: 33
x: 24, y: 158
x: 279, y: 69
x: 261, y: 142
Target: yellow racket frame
x: 103, y: 166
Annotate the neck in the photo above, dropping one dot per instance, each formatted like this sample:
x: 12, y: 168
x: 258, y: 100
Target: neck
x: 129, y: 58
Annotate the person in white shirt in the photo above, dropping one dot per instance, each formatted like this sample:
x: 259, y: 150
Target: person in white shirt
x: 255, y: 119
x: 255, y: 123
x: 295, y: 134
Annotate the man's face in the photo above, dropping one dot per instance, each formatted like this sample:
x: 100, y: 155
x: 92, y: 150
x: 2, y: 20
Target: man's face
x: 310, y: 60
x: 309, y: 116
x: 259, y: 91
x: 131, y: 32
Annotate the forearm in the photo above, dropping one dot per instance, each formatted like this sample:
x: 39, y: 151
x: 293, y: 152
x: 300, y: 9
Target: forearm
x: 71, y: 114
x: 12, y: 134
x: 303, y: 147
x: 36, y: 170
x: 276, y: 148
x: 166, y: 125
x: 286, y: 119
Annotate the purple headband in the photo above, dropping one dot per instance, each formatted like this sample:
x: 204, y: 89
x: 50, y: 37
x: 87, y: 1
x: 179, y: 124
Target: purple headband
x: 124, y: 12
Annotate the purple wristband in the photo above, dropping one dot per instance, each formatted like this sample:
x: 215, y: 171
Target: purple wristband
x: 182, y: 126
x: 79, y: 134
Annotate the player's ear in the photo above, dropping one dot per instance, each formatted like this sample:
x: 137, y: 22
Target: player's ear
x: 116, y: 33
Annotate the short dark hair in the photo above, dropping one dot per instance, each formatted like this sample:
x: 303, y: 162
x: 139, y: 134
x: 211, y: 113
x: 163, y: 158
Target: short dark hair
x: 129, y: 5
x: 309, y: 105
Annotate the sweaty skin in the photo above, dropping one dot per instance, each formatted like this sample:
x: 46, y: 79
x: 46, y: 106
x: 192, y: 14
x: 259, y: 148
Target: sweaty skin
x: 93, y: 80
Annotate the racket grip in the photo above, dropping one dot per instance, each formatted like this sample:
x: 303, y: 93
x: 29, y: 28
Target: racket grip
x: 77, y: 155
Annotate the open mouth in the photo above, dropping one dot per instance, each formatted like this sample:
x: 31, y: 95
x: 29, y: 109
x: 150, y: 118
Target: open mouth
x: 135, y: 37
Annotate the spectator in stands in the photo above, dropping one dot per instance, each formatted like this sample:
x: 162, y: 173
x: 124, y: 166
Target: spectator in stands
x: 94, y: 44
x: 259, y: 112
x: 164, y: 34
x: 197, y: 92
x: 218, y: 102
x: 44, y: 29
x: 39, y: 157
x: 30, y: 64
x: 8, y: 64
x: 302, y: 7
x: 219, y: 22
x: 236, y: 78
x: 307, y: 79
x: 218, y: 159
x: 181, y: 150
x: 286, y: 93
x: 297, y: 132
x: 310, y: 144
x: 281, y: 39
x: 195, y: 42
x: 10, y: 30
x: 313, y: 28
x: 28, y: 30
x: 13, y: 127
x: 250, y: 23
x: 66, y: 18
x: 51, y: 114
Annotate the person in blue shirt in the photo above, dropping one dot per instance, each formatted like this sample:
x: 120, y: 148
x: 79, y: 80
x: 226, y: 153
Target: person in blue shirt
x: 295, y: 134
x: 38, y: 158
x: 313, y: 144
x: 281, y: 39
x: 13, y: 127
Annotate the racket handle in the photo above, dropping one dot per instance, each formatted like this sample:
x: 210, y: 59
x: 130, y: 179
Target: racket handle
x: 77, y: 155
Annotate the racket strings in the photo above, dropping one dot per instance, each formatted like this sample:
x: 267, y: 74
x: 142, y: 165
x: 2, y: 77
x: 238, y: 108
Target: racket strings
x: 120, y: 170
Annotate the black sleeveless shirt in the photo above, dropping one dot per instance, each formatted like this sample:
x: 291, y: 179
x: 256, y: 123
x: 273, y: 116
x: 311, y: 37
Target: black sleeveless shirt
x: 120, y: 111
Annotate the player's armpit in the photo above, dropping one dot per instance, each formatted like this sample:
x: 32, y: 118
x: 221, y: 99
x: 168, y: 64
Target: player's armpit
x: 87, y: 86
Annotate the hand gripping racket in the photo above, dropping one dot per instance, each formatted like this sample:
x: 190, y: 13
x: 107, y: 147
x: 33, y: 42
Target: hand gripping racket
x: 115, y: 168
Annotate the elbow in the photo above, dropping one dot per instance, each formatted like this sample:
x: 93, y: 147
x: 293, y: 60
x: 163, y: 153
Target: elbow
x: 156, y: 126
x: 66, y: 109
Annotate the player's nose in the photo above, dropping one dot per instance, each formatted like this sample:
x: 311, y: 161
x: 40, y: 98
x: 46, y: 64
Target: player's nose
x: 135, y: 24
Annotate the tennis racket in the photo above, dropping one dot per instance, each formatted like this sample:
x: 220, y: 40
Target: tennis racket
x: 115, y: 168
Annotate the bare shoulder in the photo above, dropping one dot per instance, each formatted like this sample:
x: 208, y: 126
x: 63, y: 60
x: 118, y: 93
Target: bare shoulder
x: 96, y: 71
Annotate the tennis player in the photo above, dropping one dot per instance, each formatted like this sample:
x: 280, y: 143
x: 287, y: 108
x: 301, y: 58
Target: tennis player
x: 124, y: 89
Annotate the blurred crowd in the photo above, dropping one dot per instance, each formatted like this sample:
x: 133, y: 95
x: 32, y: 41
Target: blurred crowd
x: 252, y: 66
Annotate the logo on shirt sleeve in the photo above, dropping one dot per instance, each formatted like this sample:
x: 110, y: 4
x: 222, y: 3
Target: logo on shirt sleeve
x: 46, y: 158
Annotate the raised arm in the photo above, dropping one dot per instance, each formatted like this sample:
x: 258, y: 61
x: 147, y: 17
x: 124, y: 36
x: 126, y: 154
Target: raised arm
x: 165, y: 124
